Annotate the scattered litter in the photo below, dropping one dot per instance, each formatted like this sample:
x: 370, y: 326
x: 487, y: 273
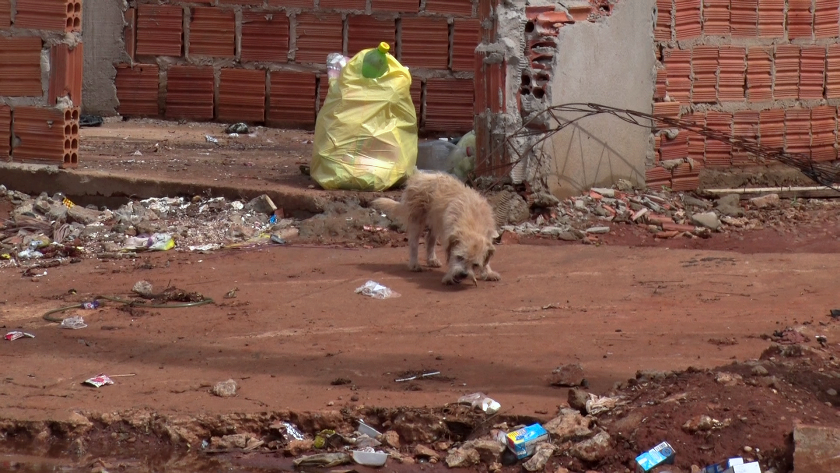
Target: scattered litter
x: 94, y: 304
x: 662, y: 454
x: 90, y: 121
x: 275, y: 238
x: 412, y: 378
x: 12, y: 336
x: 752, y: 467
x: 207, y: 247
x: 322, y: 437
x: 155, y: 242
x: 368, y: 430
x: 597, y: 404
x: 723, y: 466
x: 376, y: 290
x: 237, y: 128
x: 480, y: 401
x: 325, y: 460
x: 369, y: 457
x: 99, y: 381
x: 523, y: 442
x: 74, y: 323
x: 210, y: 139
x: 290, y: 430
x: 30, y: 253
x: 835, y: 313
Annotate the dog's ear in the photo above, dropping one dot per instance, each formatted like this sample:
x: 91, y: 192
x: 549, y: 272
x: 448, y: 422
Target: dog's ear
x: 451, y: 243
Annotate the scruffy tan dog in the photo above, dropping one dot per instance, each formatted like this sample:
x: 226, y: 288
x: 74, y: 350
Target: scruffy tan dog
x: 457, y: 215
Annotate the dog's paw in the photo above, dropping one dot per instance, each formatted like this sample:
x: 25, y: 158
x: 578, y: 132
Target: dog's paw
x: 415, y: 267
x: 449, y: 280
x: 491, y: 276
x: 434, y: 263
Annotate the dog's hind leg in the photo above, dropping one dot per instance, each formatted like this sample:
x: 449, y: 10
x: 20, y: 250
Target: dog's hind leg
x: 431, y: 257
x: 414, y: 232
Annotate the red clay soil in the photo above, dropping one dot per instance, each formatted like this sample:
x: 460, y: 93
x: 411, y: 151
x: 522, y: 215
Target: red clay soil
x: 296, y: 325
x: 169, y: 150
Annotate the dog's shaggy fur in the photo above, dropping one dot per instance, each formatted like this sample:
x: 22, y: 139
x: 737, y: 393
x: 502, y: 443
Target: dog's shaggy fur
x: 456, y: 215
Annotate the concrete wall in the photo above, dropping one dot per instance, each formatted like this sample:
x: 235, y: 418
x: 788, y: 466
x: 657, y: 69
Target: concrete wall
x: 609, y: 62
x: 102, y: 28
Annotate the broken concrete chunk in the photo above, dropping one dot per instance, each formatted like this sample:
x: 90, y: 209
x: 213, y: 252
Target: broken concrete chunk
x: 422, y: 451
x: 593, y: 450
x: 729, y: 379
x: 769, y: 200
x: 569, y: 376
x: 706, y: 219
x: 462, y: 458
x: 542, y: 453
x: 262, y: 204
x: 604, y: 191
x: 489, y: 451
x: 83, y: 215
x: 225, y: 388
x: 391, y: 439
x: 570, y: 424
x: 577, y: 399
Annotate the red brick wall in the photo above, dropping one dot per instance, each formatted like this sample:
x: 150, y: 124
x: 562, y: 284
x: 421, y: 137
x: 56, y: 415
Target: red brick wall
x: 40, y: 117
x: 762, y: 69
x: 267, y: 59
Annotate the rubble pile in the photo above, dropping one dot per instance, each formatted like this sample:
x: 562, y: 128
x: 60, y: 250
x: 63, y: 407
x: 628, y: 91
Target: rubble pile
x: 53, y: 228
x: 664, y: 214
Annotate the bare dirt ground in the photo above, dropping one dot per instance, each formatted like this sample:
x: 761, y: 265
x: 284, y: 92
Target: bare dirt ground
x: 167, y: 150
x: 653, y: 322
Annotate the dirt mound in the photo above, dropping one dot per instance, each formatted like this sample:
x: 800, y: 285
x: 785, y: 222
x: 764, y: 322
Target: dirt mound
x: 744, y: 409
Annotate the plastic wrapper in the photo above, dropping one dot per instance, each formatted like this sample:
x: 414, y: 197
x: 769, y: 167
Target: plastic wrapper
x: 99, y: 381
x: 73, y: 323
x: 366, y: 131
x: 376, y: 290
x: 480, y: 401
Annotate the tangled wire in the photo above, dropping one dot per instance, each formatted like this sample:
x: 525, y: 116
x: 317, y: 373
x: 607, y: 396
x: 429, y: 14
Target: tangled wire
x: 824, y: 174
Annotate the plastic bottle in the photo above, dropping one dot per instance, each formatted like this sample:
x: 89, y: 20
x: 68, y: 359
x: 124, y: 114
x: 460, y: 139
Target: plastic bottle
x: 375, y: 62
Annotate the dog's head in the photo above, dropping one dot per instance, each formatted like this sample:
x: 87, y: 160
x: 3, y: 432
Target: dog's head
x: 467, y: 253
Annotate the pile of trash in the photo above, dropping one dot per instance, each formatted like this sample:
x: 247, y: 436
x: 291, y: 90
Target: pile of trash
x: 54, y: 228
x: 664, y: 214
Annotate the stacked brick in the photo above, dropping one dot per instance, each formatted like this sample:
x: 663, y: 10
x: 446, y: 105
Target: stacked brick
x: 40, y: 81
x: 767, y: 70
x: 263, y: 61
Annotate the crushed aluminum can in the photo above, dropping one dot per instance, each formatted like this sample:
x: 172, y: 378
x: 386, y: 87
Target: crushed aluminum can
x: 99, y: 381
x: 523, y: 442
x: 724, y: 465
x: 90, y: 305
x: 12, y: 336
x: 74, y: 323
x: 662, y: 454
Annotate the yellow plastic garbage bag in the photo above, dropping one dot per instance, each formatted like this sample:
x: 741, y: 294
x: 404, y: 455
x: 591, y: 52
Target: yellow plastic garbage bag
x: 366, y: 132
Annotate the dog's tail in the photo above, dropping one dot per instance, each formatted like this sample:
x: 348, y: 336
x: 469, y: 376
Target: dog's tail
x: 393, y: 209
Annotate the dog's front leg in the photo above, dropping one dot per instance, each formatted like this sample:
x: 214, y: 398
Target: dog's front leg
x: 431, y: 256
x: 413, y: 247
x: 488, y: 274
